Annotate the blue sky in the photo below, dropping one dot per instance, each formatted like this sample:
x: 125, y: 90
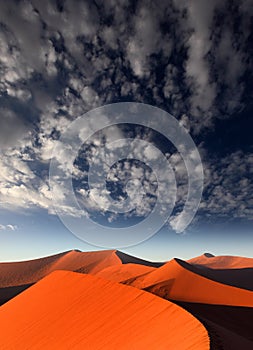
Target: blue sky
x: 59, y: 60
x: 41, y: 235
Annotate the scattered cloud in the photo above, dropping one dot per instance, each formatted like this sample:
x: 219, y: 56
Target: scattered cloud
x: 8, y: 227
x: 228, y: 186
x: 58, y: 61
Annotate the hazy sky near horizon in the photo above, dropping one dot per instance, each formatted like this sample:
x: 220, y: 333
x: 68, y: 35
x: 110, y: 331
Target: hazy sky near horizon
x: 61, y: 59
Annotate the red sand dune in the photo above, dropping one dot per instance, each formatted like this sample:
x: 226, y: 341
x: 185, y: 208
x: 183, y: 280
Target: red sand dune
x: 18, y: 276
x: 174, y: 281
x: 222, y: 262
x: 27, y: 272
x: 67, y: 310
x: 203, y: 286
x: 236, y: 277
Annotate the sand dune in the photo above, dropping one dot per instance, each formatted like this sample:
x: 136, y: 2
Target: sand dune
x: 27, y: 272
x: 222, y: 262
x: 116, y: 266
x: 236, y: 277
x: 231, y: 270
x: 17, y: 276
x: 216, y: 290
x: 121, y: 273
x: 175, y: 281
x: 8, y: 293
x: 67, y: 310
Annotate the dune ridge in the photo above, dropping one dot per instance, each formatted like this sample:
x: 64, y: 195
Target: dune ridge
x: 222, y: 262
x: 28, y: 272
x: 236, y: 277
x: 174, y: 281
x: 16, y: 277
x: 94, y: 313
x: 217, y: 291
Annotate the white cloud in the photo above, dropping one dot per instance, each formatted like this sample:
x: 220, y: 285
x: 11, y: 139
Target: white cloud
x: 215, y: 64
x: 224, y: 198
x: 8, y: 227
x: 197, y: 66
x: 12, y: 128
x: 35, y: 43
x: 146, y: 39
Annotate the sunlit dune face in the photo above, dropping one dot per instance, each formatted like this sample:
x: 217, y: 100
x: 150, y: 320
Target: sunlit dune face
x: 68, y: 310
x: 119, y: 301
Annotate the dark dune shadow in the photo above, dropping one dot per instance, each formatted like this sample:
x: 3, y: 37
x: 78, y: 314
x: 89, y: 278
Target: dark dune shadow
x: 129, y: 259
x: 240, y: 278
x: 8, y: 293
x: 229, y: 327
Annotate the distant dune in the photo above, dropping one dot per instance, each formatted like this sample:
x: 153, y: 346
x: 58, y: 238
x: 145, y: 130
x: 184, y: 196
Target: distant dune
x: 67, y: 310
x: 116, y: 266
x: 222, y: 262
x: 17, y: 276
x: 25, y: 272
x: 116, y: 301
x: 236, y: 277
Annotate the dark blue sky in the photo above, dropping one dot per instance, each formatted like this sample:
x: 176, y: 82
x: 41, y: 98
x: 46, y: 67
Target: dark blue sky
x: 61, y: 59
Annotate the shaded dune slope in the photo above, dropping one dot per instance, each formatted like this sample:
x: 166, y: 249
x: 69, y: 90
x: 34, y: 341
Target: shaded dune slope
x: 236, y: 277
x: 8, y: 293
x: 230, y: 327
x: 127, y: 259
x: 94, y: 313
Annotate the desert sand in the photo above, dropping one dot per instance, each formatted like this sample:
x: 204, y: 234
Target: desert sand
x: 111, y: 300
x: 27, y: 272
x: 122, y: 273
x: 17, y: 276
x: 176, y: 282
x: 67, y: 310
x: 234, y: 276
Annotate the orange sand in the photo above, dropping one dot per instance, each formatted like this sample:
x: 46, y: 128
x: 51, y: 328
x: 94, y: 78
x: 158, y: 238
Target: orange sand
x: 176, y: 282
x: 67, y: 310
x: 120, y: 273
x: 26, y: 272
